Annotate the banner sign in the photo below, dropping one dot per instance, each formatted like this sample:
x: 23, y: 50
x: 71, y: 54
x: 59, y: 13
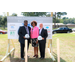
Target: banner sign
x: 13, y: 24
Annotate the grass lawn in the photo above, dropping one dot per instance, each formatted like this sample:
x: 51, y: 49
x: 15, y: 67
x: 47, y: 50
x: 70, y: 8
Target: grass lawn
x: 67, y: 46
x: 3, y: 28
x: 3, y: 48
x: 67, y: 49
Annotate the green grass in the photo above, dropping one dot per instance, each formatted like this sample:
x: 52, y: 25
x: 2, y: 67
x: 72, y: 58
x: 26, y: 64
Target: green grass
x: 3, y: 44
x: 67, y: 46
x: 67, y: 49
x: 3, y: 28
x: 3, y: 48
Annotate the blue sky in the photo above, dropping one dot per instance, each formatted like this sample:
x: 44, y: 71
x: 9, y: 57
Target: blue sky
x: 69, y: 14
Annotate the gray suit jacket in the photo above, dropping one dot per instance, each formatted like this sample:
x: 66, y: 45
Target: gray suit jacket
x: 44, y: 34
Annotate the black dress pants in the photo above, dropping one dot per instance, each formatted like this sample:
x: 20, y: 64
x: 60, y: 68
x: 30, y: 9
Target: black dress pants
x: 42, y: 49
x: 22, y: 49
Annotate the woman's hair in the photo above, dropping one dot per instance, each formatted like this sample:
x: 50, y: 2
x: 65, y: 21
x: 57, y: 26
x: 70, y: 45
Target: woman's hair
x: 34, y: 22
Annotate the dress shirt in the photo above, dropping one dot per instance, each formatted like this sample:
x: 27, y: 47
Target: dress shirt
x: 26, y: 27
x: 40, y: 30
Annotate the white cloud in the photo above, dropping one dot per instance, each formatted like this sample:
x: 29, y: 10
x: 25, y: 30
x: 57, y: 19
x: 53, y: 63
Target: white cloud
x: 18, y: 13
x: 70, y: 15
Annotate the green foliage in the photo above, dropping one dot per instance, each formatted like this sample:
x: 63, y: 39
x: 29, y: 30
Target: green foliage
x: 59, y: 14
x: 14, y: 14
x: 0, y: 19
x: 48, y: 15
x: 4, y: 21
x: 69, y: 20
x: 57, y: 20
x: 33, y: 13
x: 61, y: 20
x: 65, y: 18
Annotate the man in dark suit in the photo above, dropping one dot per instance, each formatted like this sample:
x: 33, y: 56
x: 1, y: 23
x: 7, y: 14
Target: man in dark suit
x: 42, y: 43
x: 23, y: 30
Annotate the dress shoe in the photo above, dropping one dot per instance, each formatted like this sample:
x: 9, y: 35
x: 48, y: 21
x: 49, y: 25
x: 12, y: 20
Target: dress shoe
x: 28, y: 56
x: 34, y: 56
x: 41, y: 58
x: 22, y: 59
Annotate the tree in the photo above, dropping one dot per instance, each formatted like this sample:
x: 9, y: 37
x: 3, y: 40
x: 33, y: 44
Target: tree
x: 4, y: 21
x: 34, y: 13
x: 57, y: 15
x: 65, y: 18
x: 54, y: 17
x: 69, y: 20
x: 48, y: 15
x: 14, y: 14
x: 61, y: 20
x: 0, y: 19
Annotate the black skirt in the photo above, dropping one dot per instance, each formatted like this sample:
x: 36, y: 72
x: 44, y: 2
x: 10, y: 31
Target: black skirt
x: 34, y: 42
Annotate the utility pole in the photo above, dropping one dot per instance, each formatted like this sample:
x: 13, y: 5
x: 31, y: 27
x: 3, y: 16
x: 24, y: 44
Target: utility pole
x: 55, y: 21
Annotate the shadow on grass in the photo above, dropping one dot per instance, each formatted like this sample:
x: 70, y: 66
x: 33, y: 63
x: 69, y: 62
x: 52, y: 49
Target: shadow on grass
x: 12, y: 59
x: 55, y: 56
x: 40, y: 60
x: 16, y: 59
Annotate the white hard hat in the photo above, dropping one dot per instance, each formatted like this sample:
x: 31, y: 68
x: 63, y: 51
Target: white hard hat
x: 27, y: 36
x: 39, y: 37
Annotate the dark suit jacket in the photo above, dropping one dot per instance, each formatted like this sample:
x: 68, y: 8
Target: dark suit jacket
x: 44, y: 34
x: 21, y: 32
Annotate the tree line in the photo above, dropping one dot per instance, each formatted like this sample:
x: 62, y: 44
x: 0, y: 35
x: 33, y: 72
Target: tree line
x: 3, y: 20
x: 56, y: 17
x: 66, y: 20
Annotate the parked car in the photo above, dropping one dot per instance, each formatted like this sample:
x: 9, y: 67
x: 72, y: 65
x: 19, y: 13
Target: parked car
x: 73, y: 29
x: 62, y: 30
x: 3, y: 32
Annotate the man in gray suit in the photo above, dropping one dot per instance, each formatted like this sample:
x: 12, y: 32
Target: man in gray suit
x: 42, y: 43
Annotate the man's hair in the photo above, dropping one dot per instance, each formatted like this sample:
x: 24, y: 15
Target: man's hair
x: 25, y: 21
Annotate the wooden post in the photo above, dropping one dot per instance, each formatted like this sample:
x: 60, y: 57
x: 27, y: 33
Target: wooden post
x: 50, y: 40
x: 8, y: 52
x: 26, y: 45
x: 7, y: 13
x: 51, y: 14
x: 8, y: 39
x: 9, y: 46
x: 58, y: 51
x: 12, y: 43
